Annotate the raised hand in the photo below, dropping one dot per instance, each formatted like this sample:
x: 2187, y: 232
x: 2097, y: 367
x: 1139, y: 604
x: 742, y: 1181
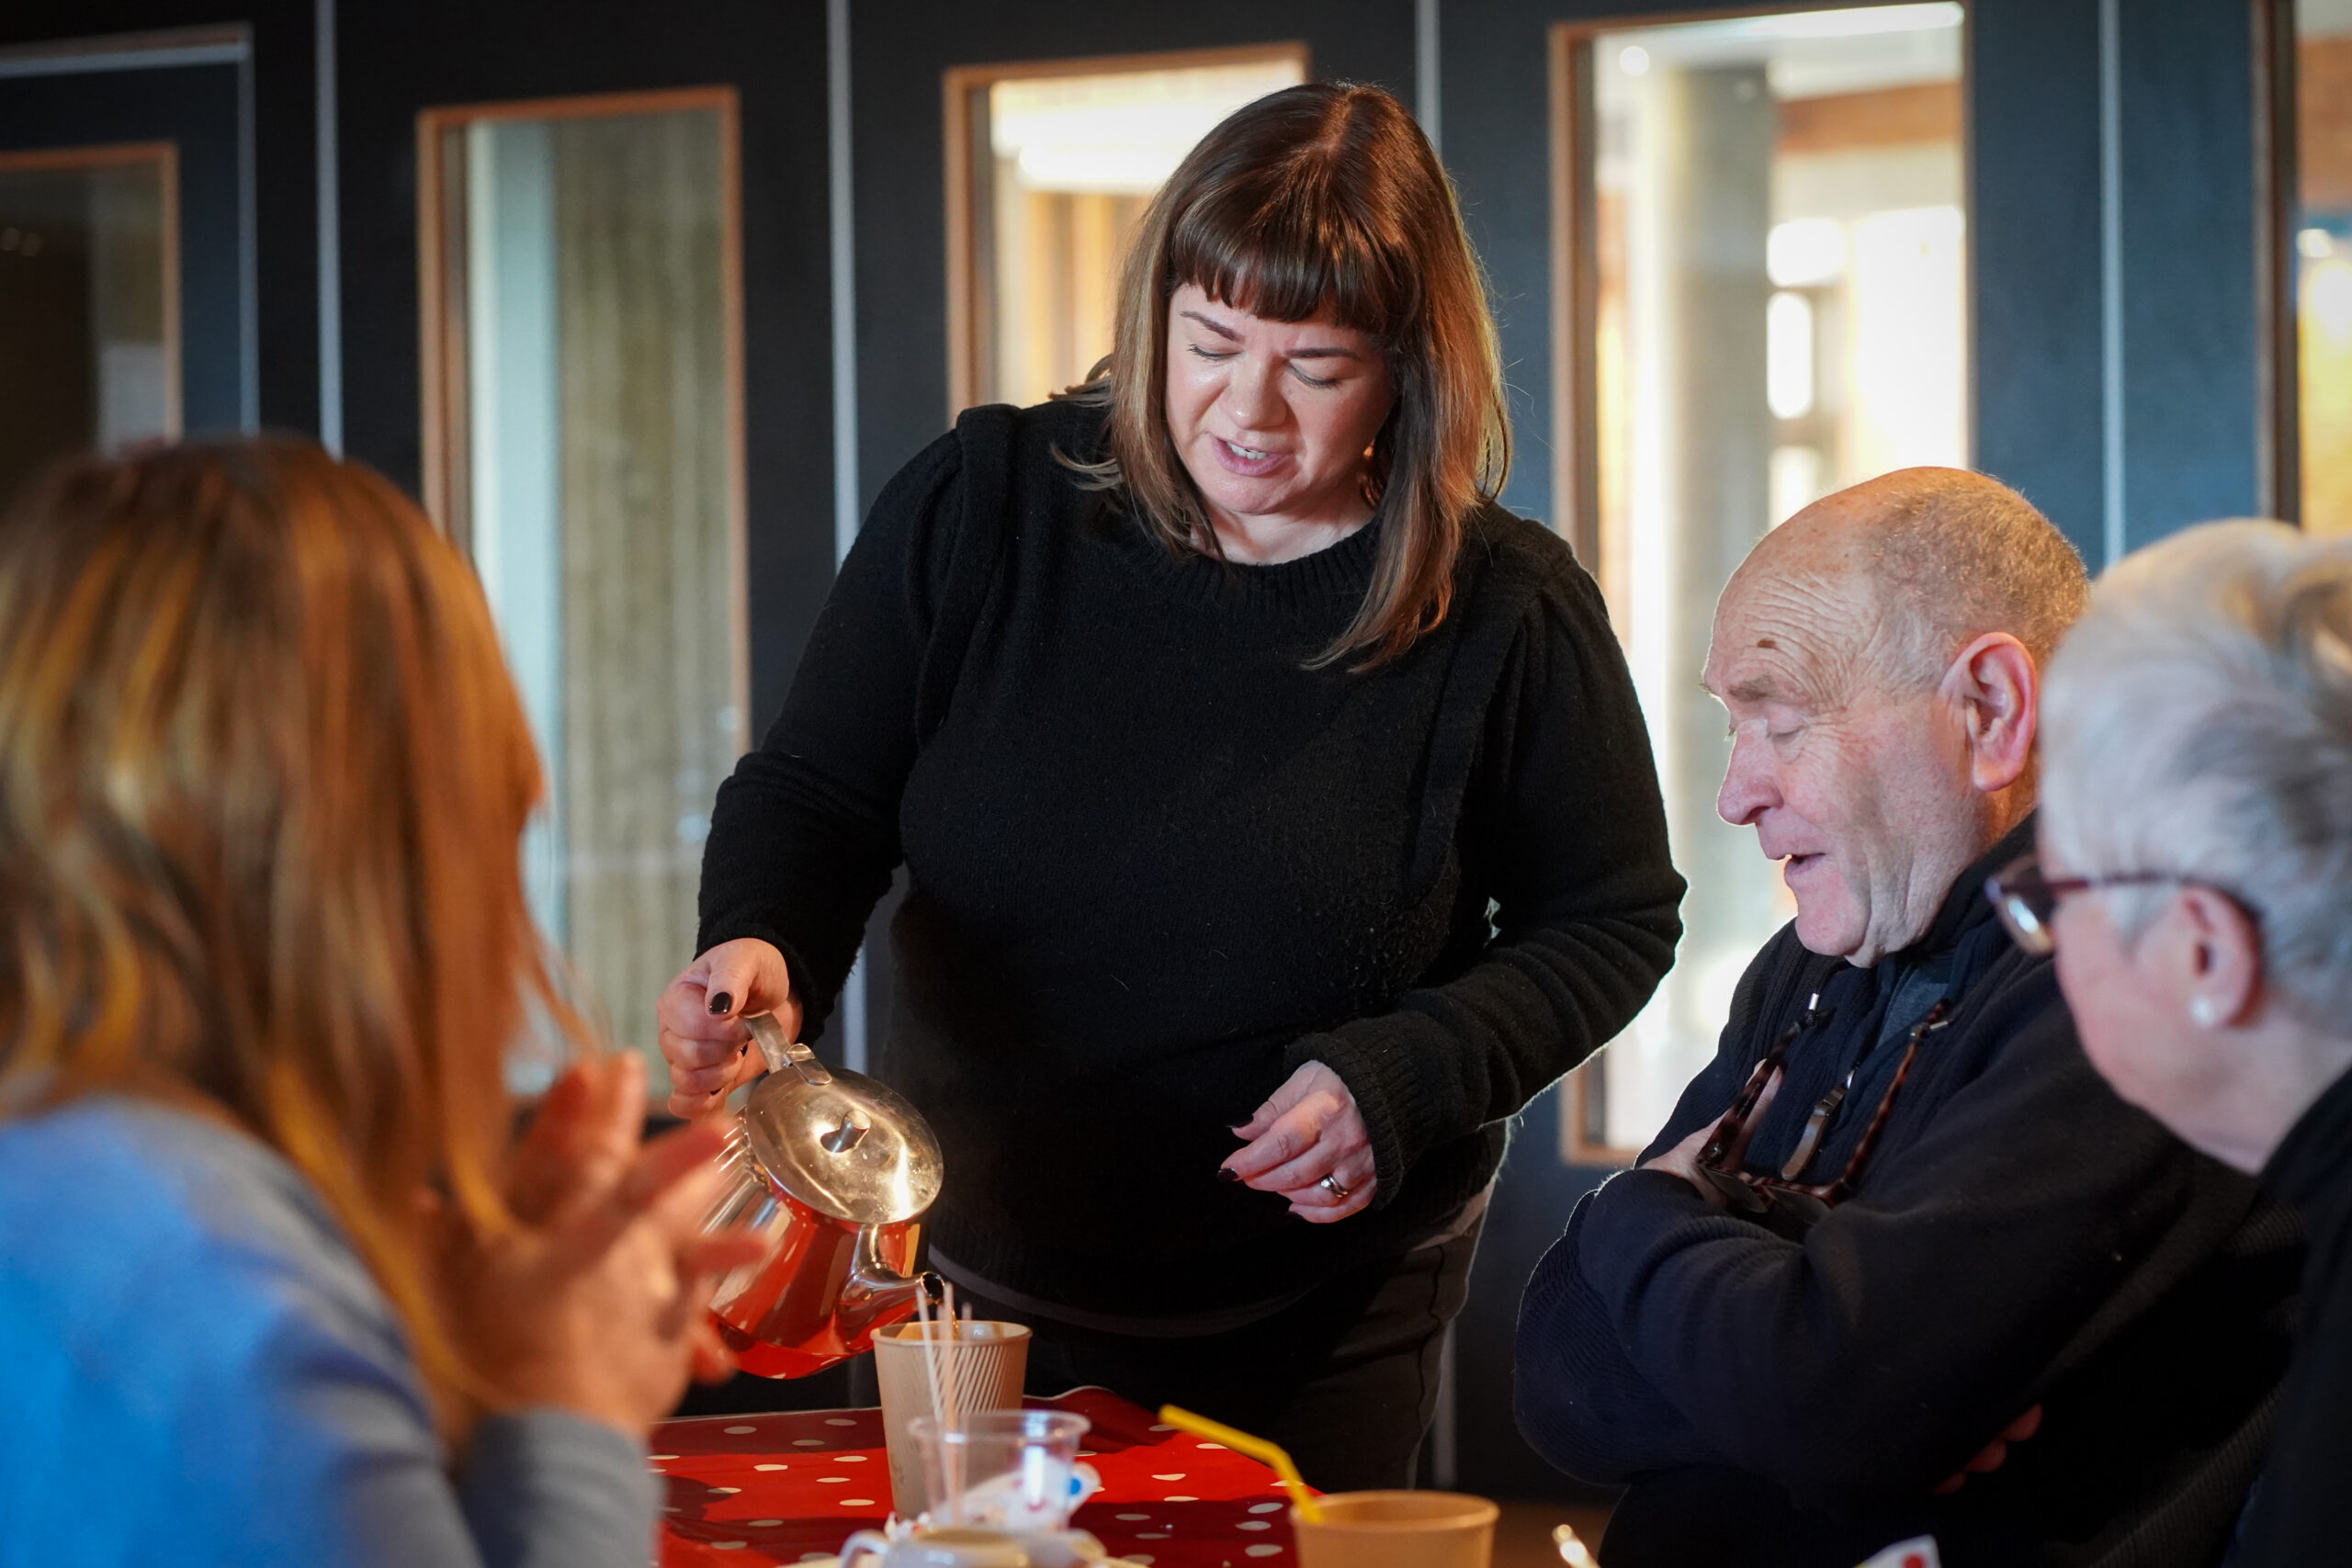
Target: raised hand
x: 593, y: 1299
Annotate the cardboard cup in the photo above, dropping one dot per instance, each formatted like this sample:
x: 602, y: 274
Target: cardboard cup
x: 990, y: 1360
x: 1397, y: 1529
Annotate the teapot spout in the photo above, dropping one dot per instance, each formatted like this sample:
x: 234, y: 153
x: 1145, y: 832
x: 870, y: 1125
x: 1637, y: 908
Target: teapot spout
x: 876, y: 1294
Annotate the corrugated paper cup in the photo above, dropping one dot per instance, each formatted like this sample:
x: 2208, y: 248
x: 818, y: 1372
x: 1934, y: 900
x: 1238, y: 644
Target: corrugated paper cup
x: 1397, y: 1529
x: 989, y: 1359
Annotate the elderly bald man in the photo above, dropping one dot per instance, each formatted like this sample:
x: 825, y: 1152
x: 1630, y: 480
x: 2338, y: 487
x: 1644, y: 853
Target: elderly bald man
x: 1901, y: 1264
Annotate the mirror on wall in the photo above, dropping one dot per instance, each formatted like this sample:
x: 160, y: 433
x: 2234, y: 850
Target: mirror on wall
x: 89, y: 303
x: 2322, y: 261
x: 1049, y: 169
x: 584, y: 389
x: 1762, y: 278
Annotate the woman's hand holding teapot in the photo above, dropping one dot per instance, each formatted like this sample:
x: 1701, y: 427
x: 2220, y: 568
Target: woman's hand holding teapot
x: 1308, y: 1143
x: 702, y: 1013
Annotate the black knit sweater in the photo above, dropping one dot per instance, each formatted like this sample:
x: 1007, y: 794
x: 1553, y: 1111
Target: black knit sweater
x: 2019, y: 1237
x: 1155, y: 864
x: 2297, y: 1516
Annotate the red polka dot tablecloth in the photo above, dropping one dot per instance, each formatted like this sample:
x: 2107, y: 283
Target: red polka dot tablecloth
x: 745, y: 1490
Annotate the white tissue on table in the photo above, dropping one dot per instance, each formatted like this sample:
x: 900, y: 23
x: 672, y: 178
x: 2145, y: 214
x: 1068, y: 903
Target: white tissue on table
x: 1040, y: 1496
x: 1916, y: 1554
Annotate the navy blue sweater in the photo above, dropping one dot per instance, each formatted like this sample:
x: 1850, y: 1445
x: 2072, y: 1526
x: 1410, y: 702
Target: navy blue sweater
x: 2018, y: 1235
x: 1155, y: 864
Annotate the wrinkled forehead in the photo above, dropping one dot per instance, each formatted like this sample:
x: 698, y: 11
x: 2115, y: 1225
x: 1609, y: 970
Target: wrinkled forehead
x: 1799, y: 637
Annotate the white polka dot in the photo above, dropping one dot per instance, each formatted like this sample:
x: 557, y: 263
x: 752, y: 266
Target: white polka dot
x: 857, y: 1502
x: 1131, y: 1518
x: 808, y: 1442
x: 771, y: 1467
x: 661, y: 1456
x: 1142, y: 1559
x: 738, y: 1431
x: 762, y: 1524
x: 1172, y: 1475
x: 1179, y: 1498
x: 730, y: 1545
x: 672, y: 1508
x: 1263, y: 1549
x: 850, y: 1458
x: 723, y: 1490
x: 832, y: 1480
x: 1157, y: 1426
x: 1208, y: 1445
x: 1086, y: 1454
x: 1151, y: 1535
x: 1254, y: 1525
x: 839, y: 1421
x: 1265, y: 1508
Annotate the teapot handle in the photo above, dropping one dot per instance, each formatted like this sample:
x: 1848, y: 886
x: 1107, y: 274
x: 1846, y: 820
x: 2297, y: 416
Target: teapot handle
x: 780, y: 1054
x: 865, y: 1544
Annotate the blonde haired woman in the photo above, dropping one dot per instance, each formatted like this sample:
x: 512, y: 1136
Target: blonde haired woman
x: 277, y: 1285
x: 1275, y: 809
x: 2194, y: 880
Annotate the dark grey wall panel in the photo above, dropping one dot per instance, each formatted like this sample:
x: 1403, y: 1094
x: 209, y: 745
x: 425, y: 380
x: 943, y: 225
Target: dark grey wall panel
x: 2033, y: 112
x: 193, y: 108
x: 2190, y: 436
x: 398, y: 58
x: 285, y: 190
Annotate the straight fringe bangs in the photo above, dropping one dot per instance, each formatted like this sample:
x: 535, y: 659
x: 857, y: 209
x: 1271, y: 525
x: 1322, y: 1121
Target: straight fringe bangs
x: 1322, y: 198
x: 265, y: 776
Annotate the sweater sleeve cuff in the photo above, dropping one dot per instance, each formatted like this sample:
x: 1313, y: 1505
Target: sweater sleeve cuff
x: 816, y: 993
x: 1629, y: 1216
x: 542, y: 1488
x: 1380, y: 1061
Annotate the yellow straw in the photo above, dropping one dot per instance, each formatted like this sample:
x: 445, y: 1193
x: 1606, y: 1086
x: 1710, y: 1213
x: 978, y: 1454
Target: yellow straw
x: 1264, y: 1452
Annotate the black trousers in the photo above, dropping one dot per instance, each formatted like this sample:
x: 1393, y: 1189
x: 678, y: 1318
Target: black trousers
x: 1345, y: 1378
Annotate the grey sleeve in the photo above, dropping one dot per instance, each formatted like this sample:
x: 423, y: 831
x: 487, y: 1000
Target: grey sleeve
x: 544, y: 1489
x: 343, y: 1439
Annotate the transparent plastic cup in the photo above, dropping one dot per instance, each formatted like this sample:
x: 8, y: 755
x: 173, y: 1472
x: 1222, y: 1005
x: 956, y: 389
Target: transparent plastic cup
x: 1009, y: 1470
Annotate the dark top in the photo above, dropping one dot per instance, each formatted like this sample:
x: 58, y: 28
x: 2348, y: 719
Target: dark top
x: 2298, y: 1514
x: 1154, y: 865
x: 2018, y: 1235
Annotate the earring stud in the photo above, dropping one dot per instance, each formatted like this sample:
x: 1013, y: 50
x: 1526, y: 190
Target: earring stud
x: 2203, y: 1011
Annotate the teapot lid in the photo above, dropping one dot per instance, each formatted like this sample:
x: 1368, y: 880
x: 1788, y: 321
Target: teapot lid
x: 841, y: 1143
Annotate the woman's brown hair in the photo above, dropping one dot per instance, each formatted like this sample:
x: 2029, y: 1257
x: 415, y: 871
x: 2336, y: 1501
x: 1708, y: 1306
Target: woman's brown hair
x: 1323, y: 199
x: 265, y: 778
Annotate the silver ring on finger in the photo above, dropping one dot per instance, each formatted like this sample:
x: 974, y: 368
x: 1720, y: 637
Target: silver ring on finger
x: 1331, y: 1184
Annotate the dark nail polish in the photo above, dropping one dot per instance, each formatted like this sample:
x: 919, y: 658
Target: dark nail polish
x: 1224, y: 1173
x: 719, y: 1002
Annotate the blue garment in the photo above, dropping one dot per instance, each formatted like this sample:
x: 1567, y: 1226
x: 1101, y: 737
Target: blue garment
x: 196, y: 1367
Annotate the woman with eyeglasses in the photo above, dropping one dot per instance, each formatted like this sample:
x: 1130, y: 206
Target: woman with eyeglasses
x: 2194, y: 880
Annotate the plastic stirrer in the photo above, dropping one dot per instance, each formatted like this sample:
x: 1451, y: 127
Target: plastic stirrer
x: 1264, y: 1452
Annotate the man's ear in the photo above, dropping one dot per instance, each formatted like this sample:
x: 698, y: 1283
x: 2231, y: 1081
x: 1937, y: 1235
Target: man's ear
x: 1998, y: 691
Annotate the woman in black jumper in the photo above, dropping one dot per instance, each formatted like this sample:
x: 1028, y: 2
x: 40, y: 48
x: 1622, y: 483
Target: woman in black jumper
x: 2194, y: 880
x: 1277, y: 814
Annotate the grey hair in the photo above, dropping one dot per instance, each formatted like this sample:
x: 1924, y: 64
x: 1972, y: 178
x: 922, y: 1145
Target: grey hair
x: 1956, y: 555
x: 2198, y: 721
